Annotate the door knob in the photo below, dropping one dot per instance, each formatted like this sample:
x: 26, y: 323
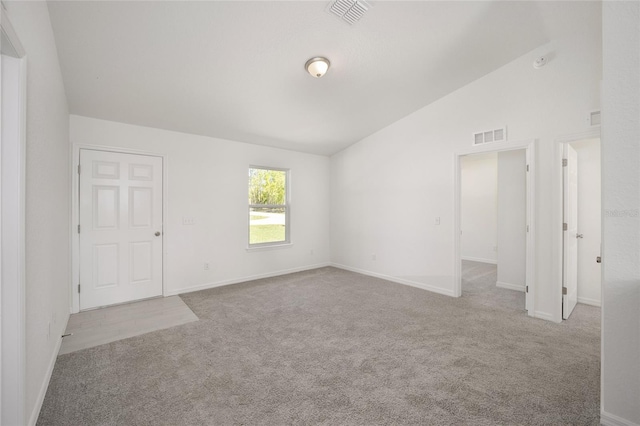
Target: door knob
x: 579, y: 236
x: 157, y: 233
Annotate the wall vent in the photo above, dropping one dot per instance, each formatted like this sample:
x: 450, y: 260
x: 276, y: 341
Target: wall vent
x: 594, y: 118
x: 350, y: 11
x: 488, y: 136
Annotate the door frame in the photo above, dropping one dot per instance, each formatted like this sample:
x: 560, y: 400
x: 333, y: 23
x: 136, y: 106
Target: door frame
x: 530, y: 153
x: 557, y: 213
x: 75, y: 213
x: 12, y: 212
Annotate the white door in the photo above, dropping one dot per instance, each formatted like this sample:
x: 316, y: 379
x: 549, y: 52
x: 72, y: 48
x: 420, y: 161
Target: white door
x: 120, y: 227
x: 570, y: 226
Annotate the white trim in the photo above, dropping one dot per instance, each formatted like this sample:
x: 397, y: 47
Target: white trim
x: 33, y: 418
x: 245, y: 279
x: 12, y: 193
x: 530, y: 279
x: 546, y: 316
x: 479, y: 259
x: 608, y: 419
x: 269, y: 246
x: 422, y: 286
x: 75, y: 213
x: 588, y: 301
x: 510, y: 286
x: 529, y: 147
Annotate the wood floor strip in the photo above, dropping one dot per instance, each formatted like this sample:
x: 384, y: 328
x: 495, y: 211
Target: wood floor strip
x: 106, y: 325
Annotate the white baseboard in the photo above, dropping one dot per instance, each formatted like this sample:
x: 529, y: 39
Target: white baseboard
x: 35, y: 412
x: 516, y: 287
x: 587, y: 301
x: 396, y: 280
x: 607, y: 419
x: 545, y: 316
x: 244, y: 279
x: 479, y: 259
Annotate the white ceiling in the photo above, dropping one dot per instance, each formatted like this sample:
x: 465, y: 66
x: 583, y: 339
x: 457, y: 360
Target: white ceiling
x: 235, y: 69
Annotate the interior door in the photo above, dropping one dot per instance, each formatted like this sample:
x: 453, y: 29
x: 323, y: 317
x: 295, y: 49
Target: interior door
x: 120, y: 227
x: 570, y: 231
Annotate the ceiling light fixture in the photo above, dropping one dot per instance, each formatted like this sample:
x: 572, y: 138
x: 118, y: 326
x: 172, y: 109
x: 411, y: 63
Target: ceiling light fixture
x: 317, y: 66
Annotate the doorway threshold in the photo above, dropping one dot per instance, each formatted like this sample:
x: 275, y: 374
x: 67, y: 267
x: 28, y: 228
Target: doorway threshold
x: 105, y: 325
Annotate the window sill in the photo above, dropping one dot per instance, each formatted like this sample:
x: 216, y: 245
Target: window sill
x: 270, y: 247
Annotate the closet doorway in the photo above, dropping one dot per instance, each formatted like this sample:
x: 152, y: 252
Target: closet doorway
x: 494, y: 232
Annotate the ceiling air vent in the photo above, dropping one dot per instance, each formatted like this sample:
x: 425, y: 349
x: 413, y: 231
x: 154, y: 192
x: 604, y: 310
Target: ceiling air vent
x: 594, y: 118
x: 497, y: 135
x: 349, y: 11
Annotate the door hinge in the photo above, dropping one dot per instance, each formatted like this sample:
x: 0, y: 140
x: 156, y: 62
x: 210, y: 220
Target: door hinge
x: 564, y: 291
x: 78, y: 168
x: 78, y: 228
x: 565, y: 162
x: 527, y: 167
x: 599, y: 259
x: 564, y: 227
x: 78, y: 288
x: 526, y: 289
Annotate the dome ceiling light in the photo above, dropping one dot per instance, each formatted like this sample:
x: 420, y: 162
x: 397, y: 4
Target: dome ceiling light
x: 317, y: 66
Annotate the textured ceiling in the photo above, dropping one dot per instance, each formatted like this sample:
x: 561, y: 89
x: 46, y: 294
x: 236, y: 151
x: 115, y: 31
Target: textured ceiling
x: 235, y: 69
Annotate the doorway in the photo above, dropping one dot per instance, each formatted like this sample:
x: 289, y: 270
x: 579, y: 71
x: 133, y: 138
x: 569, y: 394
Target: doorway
x: 493, y: 228
x: 120, y: 227
x: 581, y: 229
x: 517, y: 272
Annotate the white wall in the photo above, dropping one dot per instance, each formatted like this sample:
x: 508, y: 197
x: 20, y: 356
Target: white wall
x: 47, y: 198
x: 512, y: 219
x: 478, y: 207
x: 207, y: 180
x: 589, y: 221
x: 387, y: 189
x: 620, y: 392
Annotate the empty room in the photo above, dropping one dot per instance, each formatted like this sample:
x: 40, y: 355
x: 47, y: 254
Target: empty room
x: 341, y: 212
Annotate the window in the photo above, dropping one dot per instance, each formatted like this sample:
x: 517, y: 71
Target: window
x: 268, y: 206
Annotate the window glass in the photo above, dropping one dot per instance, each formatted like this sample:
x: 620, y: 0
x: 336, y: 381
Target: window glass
x: 268, y: 208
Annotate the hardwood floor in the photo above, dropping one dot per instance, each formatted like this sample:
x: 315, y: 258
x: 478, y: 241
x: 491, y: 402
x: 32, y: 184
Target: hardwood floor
x: 105, y: 325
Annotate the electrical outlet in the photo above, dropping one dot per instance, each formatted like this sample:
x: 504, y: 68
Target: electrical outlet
x: 188, y: 220
x: 207, y: 266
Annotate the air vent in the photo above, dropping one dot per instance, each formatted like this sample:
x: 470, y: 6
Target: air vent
x: 594, y: 118
x: 350, y: 11
x: 497, y: 135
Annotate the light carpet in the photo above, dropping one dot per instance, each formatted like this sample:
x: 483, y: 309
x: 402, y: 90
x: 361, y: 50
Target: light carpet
x: 479, y: 286
x: 333, y: 347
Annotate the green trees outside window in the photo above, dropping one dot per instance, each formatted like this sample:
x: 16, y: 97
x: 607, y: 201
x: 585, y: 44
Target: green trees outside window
x: 268, y: 207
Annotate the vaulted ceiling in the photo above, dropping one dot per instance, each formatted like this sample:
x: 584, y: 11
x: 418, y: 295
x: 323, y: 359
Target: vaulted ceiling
x: 235, y: 69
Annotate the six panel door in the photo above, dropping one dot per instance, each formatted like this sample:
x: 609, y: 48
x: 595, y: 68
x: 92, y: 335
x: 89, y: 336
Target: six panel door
x: 120, y: 228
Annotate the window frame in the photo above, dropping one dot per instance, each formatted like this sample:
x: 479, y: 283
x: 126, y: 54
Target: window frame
x: 286, y: 207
